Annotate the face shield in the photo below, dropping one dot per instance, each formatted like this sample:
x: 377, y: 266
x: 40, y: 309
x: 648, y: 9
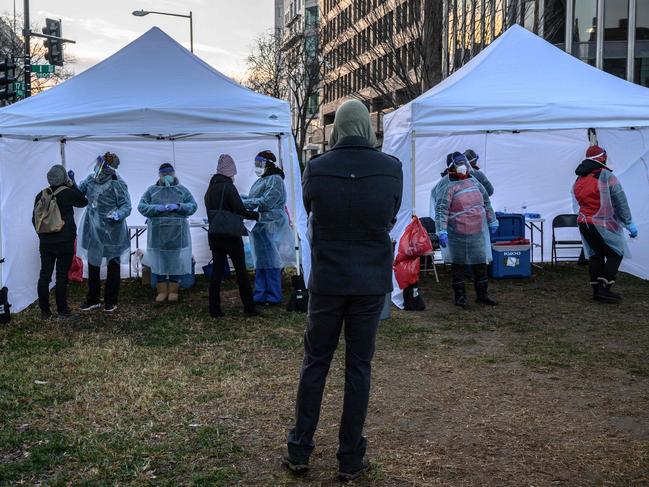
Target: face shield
x: 260, y: 166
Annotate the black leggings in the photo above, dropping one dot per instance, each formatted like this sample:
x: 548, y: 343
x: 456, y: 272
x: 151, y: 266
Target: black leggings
x: 605, y: 262
x: 112, y: 283
x: 59, y: 256
x: 220, y: 252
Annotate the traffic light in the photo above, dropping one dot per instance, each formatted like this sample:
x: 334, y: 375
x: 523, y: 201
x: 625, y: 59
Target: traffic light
x: 54, y: 47
x: 7, y: 79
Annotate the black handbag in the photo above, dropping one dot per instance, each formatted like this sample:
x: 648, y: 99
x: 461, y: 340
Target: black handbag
x: 299, y: 300
x: 224, y: 223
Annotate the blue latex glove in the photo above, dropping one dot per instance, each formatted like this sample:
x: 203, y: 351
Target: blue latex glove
x: 443, y: 239
x: 117, y: 216
x: 172, y: 207
x: 633, y: 230
x: 71, y: 175
x: 160, y: 208
x: 493, y: 228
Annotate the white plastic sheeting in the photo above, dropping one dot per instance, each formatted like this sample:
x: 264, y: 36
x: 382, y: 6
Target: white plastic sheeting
x: 25, y: 163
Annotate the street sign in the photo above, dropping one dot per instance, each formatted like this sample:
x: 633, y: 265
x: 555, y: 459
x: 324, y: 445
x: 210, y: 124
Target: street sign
x: 43, y: 75
x: 43, y: 68
x: 19, y: 86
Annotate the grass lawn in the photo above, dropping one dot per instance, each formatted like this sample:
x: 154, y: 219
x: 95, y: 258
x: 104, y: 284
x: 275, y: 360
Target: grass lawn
x: 549, y: 388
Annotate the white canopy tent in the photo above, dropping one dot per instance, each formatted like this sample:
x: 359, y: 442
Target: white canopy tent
x: 525, y: 107
x: 151, y: 102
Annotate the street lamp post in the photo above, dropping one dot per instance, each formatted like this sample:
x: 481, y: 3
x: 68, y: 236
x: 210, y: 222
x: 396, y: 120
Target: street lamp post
x: 142, y: 13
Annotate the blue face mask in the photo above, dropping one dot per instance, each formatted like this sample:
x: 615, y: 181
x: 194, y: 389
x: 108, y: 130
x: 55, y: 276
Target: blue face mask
x: 168, y: 180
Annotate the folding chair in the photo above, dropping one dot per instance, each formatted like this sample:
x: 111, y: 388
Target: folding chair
x: 429, y: 224
x: 564, y: 221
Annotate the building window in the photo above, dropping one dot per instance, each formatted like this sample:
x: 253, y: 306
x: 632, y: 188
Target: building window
x: 585, y: 31
x: 554, y: 22
x: 616, y: 35
x: 642, y: 44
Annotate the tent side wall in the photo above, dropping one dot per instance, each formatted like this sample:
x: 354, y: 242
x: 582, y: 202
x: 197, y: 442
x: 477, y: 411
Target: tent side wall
x: 24, y: 164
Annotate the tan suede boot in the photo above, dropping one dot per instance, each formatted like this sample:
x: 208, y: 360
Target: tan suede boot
x: 163, y: 292
x: 174, y: 289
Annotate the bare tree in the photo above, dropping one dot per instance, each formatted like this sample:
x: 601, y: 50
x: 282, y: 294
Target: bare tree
x: 392, y: 53
x: 292, y: 69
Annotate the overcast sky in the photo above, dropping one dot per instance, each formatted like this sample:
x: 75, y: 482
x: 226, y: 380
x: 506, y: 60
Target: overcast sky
x: 224, y: 30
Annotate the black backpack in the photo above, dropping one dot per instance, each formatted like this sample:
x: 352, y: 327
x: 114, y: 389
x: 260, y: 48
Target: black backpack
x: 299, y: 300
x: 5, y: 307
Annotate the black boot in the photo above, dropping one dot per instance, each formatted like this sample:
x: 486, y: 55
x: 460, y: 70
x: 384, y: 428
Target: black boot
x: 603, y: 293
x: 460, y: 294
x: 481, y: 288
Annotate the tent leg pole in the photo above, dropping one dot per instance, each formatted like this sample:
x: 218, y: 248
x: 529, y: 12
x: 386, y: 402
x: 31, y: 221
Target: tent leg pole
x: 296, y: 237
x: 413, y: 166
x: 63, y: 161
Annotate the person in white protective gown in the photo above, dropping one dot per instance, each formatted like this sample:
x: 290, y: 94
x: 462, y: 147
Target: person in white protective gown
x: 103, y: 234
x: 167, y: 205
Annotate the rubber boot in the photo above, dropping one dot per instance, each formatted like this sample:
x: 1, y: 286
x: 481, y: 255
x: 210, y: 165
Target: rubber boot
x: 481, y: 288
x: 604, y: 294
x: 460, y: 294
x: 163, y: 292
x: 174, y: 289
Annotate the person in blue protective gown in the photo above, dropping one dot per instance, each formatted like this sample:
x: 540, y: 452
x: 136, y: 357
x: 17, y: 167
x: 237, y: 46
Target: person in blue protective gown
x: 103, y: 234
x: 603, y: 213
x: 167, y: 206
x: 272, y: 238
x: 464, y: 220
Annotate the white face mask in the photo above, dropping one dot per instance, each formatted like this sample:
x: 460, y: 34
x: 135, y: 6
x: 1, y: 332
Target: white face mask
x: 259, y: 171
x: 462, y: 170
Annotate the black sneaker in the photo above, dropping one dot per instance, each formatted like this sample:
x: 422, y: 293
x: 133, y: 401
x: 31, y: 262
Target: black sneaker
x: 46, y: 315
x: 349, y: 476
x: 295, y: 466
x: 110, y: 308
x: 89, y: 306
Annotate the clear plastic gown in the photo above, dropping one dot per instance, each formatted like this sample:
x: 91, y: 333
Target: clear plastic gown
x: 100, y: 236
x: 613, y: 215
x: 169, y: 240
x: 463, y: 209
x: 272, y: 238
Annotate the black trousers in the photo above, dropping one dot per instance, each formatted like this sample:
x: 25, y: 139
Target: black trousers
x: 220, y: 253
x: 57, y: 256
x: 360, y: 315
x: 113, y: 278
x: 605, y: 262
x: 459, y: 271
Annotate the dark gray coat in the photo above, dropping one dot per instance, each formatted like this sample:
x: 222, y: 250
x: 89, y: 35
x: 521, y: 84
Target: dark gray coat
x: 353, y: 195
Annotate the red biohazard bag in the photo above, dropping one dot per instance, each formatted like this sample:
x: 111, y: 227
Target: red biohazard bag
x: 75, y: 274
x: 414, y: 243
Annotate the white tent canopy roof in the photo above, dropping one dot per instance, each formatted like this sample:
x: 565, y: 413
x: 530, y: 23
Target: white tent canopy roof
x: 522, y: 82
x: 151, y: 86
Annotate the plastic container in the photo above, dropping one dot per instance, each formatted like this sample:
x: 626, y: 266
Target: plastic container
x: 511, y: 226
x: 511, y: 261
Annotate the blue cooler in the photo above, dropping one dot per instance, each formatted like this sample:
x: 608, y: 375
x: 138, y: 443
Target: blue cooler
x: 510, y: 227
x: 511, y: 261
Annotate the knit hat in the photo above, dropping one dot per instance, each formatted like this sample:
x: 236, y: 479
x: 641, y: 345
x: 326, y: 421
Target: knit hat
x: 57, y: 176
x: 166, y: 168
x: 226, y: 166
x: 597, y: 154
